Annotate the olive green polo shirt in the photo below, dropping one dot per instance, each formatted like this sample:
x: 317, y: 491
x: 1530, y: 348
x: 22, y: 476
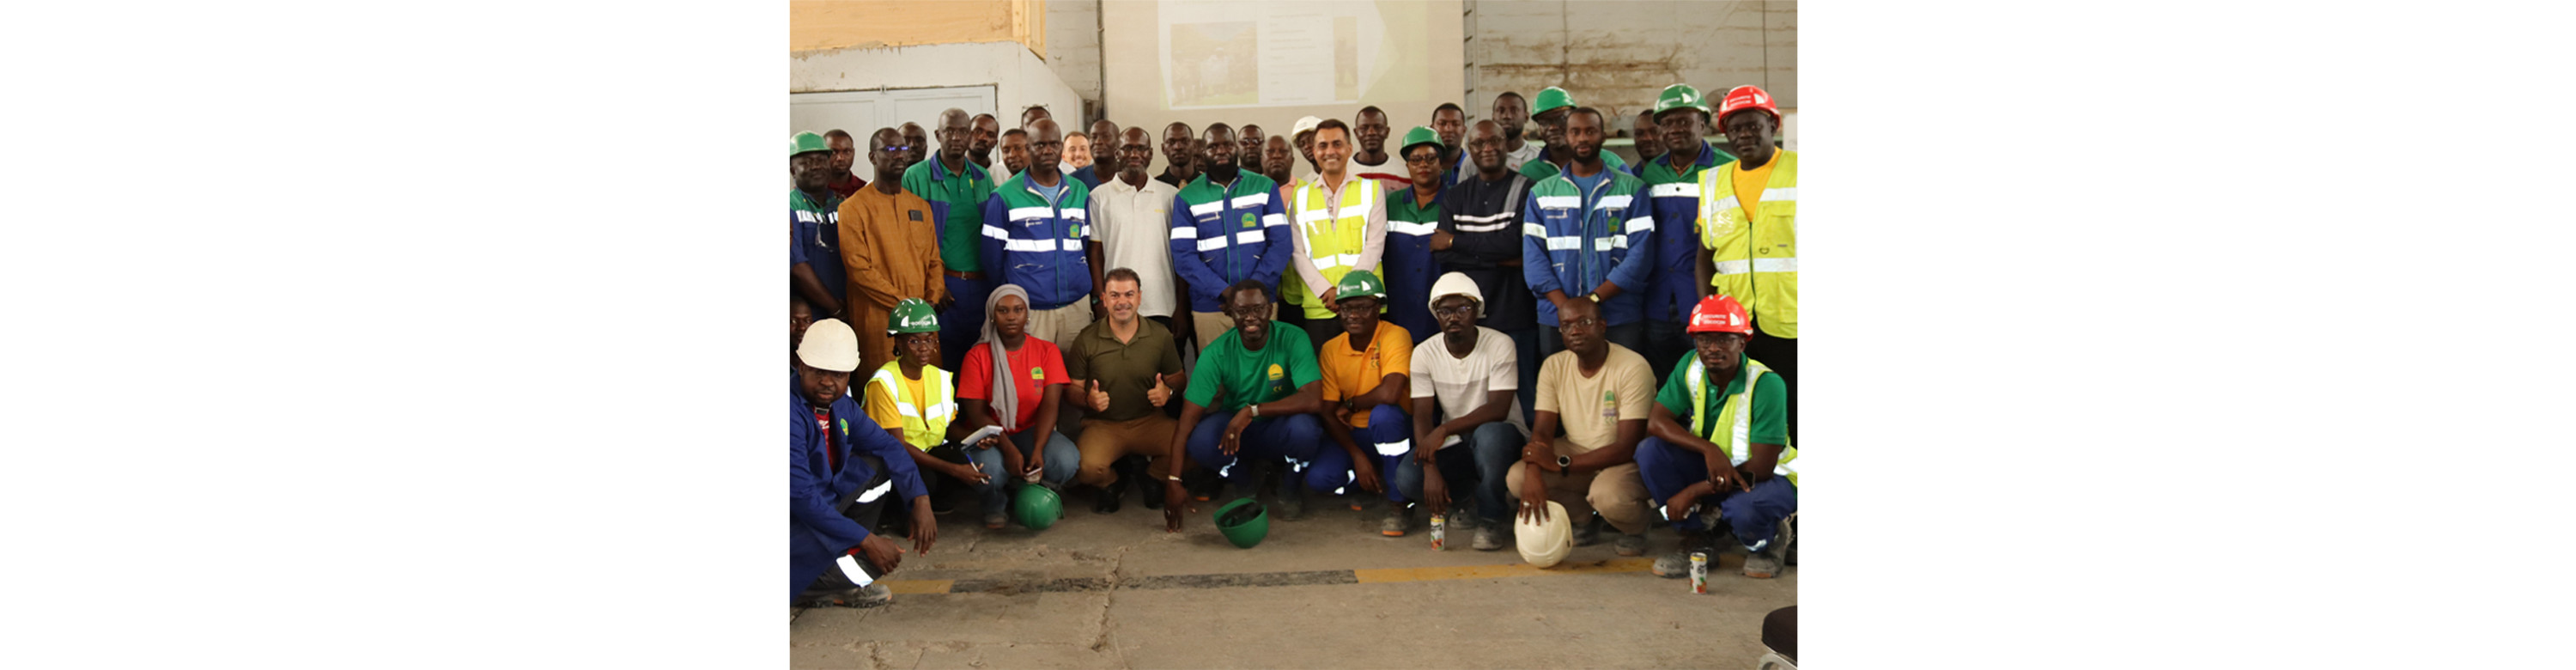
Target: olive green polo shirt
x: 1125, y: 370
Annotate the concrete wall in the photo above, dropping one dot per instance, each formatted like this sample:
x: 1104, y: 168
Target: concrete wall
x: 1616, y: 56
x: 820, y: 25
x: 1018, y: 77
x: 1073, y: 46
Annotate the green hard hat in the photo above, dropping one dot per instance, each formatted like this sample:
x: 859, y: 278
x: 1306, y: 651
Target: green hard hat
x: 1417, y: 136
x: 805, y: 142
x: 913, y: 316
x: 1037, y: 507
x: 1243, y: 522
x: 1359, y: 284
x: 1551, y: 98
x: 1679, y: 96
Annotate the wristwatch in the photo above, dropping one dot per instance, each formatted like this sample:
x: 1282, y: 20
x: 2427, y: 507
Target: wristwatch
x: 1595, y: 297
x: 1563, y: 462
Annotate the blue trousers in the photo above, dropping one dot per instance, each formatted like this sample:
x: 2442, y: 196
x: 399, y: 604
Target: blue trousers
x: 1388, y: 438
x: 1525, y: 349
x: 1296, y: 437
x: 1473, y: 469
x: 1062, y: 460
x: 1753, y: 515
x: 961, y: 324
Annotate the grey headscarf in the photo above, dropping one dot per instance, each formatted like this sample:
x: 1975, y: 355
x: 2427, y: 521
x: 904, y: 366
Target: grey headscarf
x: 1006, y: 390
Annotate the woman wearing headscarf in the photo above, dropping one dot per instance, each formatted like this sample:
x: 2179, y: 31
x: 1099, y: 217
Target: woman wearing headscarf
x: 1018, y: 390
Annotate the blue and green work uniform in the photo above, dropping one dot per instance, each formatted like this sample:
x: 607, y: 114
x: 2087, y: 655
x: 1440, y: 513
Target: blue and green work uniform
x: 817, y: 229
x: 1539, y: 169
x: 1735, y: 420
x: 825, y: 471
x: 1284, y: 364
x: 957, y: 203
x: 1574, y: 237
x: 1407, y: 266
x: 1674, y: 202
x: 1223, y: 235
x: 1034, y: 239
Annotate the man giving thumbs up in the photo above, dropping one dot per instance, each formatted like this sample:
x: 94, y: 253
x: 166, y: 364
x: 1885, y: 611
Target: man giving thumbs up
x: 1126, y: 367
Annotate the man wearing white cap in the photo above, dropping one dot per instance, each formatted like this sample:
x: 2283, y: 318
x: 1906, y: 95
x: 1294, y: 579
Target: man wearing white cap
x: 841, y: 465
x: 1469, y: 376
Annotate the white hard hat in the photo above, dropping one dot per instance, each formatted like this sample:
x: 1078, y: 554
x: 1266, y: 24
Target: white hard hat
x: 1457, y: 284
x: 1542, y: 544
x: 830, y: 345
x: 1303, y: 125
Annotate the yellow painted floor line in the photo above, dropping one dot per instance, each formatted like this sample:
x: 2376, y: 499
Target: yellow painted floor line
x: 919, y: 585
x: 1389, y: 575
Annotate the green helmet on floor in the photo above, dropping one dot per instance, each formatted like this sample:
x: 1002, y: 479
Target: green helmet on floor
x: 1679, y: 96
x: 912, y: 316
x: 1418, y: 136
x: 1550, y: 98
x: 1359, y: 284
x: 806, y: 142
x: 1037, y: 507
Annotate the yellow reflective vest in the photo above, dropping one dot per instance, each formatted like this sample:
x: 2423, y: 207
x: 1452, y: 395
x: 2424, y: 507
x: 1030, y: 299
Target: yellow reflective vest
x: 1333, y: 243
x: 1736, y: 418
x: 924, y: 420
x: 1757, y: 261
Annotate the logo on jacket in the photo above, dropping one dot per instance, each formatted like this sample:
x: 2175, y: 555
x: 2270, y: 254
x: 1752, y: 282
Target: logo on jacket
x: 1247, y: 220
x: 1037, y: 374
x: 845, y: 427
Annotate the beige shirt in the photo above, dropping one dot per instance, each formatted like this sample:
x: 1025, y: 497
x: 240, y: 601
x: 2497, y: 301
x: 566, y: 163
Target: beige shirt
x: 1589, y: 409
x: 1134, y: 227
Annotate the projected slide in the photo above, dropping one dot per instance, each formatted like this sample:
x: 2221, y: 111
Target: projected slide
x: 1308, y: 53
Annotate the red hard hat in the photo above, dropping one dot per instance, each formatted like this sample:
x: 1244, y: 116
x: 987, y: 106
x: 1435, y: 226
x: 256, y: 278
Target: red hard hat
x: 1747, y: 97
x: 1720, y: 314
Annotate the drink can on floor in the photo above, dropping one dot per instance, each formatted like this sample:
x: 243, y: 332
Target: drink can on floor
x: 1439, y: 532
x: 1699, y: 572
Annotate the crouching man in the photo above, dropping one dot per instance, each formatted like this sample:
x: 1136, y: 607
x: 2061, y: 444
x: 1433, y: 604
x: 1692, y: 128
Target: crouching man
x: 1592, y: 400
x: 841, y: 466
x: 1719, y: 455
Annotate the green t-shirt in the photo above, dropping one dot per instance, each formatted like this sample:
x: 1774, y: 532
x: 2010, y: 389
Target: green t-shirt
x: 957, y: 200
x: 1283, y: 365
x: 1770, y: 402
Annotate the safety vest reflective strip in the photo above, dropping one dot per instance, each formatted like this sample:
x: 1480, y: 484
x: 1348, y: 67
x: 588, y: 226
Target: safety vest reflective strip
x: 1756, y: 261
x: 1737, y: 417
x: 942, y: 402
x: 1334, y: 243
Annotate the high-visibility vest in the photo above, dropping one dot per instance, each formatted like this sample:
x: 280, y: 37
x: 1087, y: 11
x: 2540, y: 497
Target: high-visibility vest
x: 924, y: 421
x: 1736, y: 418
x: 1757, y: 261
x: 1333, y: 243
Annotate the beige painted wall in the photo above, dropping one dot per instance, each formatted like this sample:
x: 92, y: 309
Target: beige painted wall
x: 1133, y: 87
x: 821, y: 25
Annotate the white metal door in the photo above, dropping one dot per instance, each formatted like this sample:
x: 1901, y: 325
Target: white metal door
x: 863, y: 112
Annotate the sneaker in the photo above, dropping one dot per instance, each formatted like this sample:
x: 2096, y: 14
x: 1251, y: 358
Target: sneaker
x: 1761, y: 564
x: 1674, y: 565
x: 1588, y: 532
x: 1107, y: 498
x: 1488, y: 538
x: 872, y: 595
x: 995, y: 520
x: 1631, y: 545
x: 1399, y: 518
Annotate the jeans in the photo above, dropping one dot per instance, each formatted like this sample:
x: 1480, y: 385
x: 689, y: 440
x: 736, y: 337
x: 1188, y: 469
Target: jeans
x: 1630, y: 335
x: 1476, y: 465
x: 1062, y: 460
x: 1388, y: 439
x: 1296, y: 437
x: 1753, y: 515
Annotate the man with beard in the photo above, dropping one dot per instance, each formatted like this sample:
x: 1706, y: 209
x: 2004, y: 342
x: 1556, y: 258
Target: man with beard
x: 1511, y: 112
x: 1370, y: 160
x: 1672, y: 183
x: 1131, y: 219
x: 1124, y: 369
x: 1589, y: 238
x: 1227, y: 227
x: 1103, y: 159
x: 1554, y: 105
x: 845, y: 153
x: 1034, y: 229
x: 1748, y: 222
x: 814, y: 268
x: 1340, y: 226
x: 1480, y: 237
x: 1364, y: 372
x: 1450, y: 121
x: 1180, y: 156
x: 889, y: 247
x: 1729, y: 469
x: 1253, y: 143
x: 1256, y: 388
x: 956, y: 187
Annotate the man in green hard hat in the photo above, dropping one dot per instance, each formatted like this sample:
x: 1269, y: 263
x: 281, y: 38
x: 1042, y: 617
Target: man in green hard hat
x: 1412, y: 215
x: 1551, y: 108
x: 1672, y: 191
x: 813, y: 220
x: 1366, y: 393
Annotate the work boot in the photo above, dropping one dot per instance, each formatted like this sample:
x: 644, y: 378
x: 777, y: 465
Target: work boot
x: 872, y: 595
x: 1676, y: 565
x: 1587, y: 532
x: 1399, y: 518
x: 1630, y: 545
x: 1761, y: 563
x: 1107, y: 501
x: 1489, y: 537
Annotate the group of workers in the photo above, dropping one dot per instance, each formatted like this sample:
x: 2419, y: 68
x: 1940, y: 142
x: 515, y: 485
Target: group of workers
x: 1499, y: 323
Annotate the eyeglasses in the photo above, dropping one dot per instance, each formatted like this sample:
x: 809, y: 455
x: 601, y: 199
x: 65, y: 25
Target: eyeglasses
x: 1467, y: 310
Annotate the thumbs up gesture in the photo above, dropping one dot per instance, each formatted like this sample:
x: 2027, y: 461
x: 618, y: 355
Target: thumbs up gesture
x: 1099, y: 398
x: 1160, y: 393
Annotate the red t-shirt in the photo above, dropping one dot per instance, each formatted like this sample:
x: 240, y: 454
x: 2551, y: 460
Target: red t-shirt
x: 1037, y: 364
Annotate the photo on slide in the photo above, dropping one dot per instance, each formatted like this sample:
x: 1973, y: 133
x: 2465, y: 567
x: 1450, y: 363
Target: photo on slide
x: 1215, y: 64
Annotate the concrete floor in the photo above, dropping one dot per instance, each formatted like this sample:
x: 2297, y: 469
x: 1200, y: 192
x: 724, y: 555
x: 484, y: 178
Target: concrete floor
x: 1116, y: 591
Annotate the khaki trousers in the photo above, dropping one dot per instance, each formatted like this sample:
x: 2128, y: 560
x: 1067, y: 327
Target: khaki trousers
x: 1104, y: 442
x: 1618, y: 492
x: 1060, y: 325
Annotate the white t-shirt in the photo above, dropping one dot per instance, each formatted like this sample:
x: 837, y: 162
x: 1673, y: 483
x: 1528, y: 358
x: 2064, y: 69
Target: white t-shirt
x: 1134, y: 227
x: 1461, y: 383
x: 1530, y: 148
